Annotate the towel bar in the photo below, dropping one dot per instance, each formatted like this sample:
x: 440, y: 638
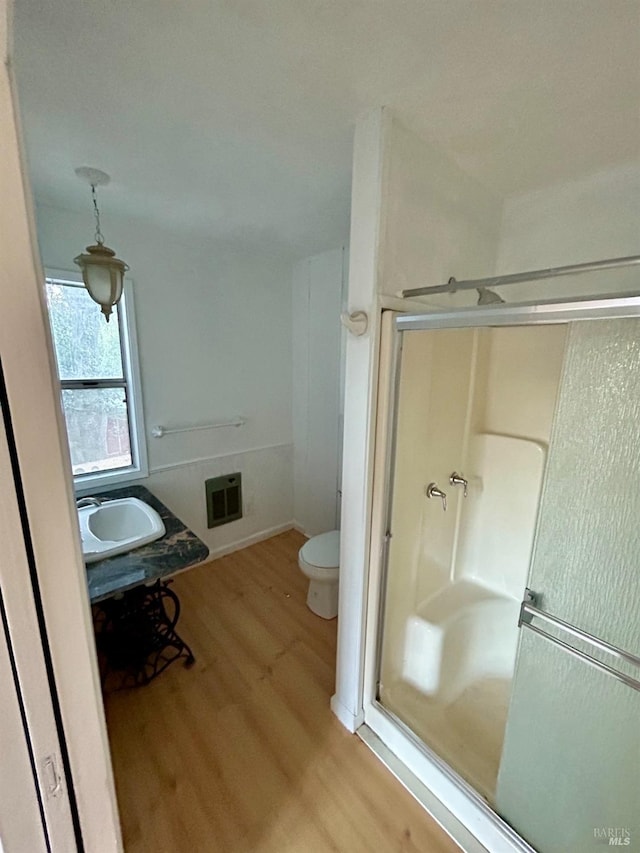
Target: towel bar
x: 529, y: 611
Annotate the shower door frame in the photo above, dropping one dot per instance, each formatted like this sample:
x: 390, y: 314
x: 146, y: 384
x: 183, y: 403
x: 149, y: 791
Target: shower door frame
x: 438, y: 785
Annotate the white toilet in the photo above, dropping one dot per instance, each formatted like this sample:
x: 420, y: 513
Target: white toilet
x: 319, y: 560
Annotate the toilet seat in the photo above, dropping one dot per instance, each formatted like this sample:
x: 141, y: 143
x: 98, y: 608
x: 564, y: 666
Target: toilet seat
x: 323, y: 551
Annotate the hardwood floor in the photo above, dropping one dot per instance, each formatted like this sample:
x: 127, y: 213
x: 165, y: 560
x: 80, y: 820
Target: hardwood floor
x: 241, y: 752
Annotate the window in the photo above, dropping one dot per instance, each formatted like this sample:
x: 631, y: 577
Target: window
x: 99, y: 379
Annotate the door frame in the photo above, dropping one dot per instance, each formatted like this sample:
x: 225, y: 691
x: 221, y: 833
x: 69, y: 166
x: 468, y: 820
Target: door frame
x: 458, y: 797
x: 48, y: 503
x: 26, y: 655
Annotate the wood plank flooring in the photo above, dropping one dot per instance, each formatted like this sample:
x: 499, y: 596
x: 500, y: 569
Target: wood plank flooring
x: 240, y: 753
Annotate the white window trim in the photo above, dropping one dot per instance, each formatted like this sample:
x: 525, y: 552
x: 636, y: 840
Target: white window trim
x: 85, y: 483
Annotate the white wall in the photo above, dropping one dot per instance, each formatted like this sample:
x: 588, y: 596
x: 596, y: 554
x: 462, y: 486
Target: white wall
x: 437, y: 221
x: 359, y: 411
x: 316, y: 301
x: 589, y: 219
x: 416, y: 218
x: 214, y: 333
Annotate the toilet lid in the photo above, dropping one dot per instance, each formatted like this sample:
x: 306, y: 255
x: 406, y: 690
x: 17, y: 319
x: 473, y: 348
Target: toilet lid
x: 323, y: 550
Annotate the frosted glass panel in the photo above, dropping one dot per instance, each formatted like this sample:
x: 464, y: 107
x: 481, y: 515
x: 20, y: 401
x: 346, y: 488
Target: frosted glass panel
x: 587, y: 558
x: 570, y: 772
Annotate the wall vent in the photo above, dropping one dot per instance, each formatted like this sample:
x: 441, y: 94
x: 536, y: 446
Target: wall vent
x: 224, y: 499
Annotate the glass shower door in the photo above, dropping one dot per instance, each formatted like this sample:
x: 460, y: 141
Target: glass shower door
x: 569, y: 780
x: 434, y: 393
x: 473, y: 415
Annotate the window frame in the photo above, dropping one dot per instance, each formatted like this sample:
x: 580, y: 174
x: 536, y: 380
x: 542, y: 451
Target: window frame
x: 131, y: 383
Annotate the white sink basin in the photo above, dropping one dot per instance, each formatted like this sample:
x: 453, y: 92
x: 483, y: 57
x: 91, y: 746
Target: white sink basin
x: 117, y: 526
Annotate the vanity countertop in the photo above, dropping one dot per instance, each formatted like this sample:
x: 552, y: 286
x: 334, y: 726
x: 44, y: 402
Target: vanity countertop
x: 178, y: 549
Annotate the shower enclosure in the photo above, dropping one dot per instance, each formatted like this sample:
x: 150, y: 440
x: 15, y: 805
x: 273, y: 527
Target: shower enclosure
x: 505, y: 645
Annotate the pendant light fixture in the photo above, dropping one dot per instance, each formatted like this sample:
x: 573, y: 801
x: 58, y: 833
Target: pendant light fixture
x: 102, y: 272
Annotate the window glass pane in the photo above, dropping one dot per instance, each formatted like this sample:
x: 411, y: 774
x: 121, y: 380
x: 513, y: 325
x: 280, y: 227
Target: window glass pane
x: 98, y: 429
x: 86, y: 346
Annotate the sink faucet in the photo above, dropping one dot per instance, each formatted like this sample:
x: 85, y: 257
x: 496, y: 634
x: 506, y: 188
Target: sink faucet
x: 88, y: 502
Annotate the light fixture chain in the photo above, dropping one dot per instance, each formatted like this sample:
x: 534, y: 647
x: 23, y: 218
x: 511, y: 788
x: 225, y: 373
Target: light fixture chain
x: 96, y: 211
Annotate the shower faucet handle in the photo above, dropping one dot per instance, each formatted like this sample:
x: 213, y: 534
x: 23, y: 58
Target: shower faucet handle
x: 458, y: 480
x: 434, y: 492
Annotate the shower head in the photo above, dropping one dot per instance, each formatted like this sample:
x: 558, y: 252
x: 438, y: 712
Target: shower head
x: 488, y: 297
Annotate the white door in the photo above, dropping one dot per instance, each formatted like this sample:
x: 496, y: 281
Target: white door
x: 21, y: 821
x: 36, y: 812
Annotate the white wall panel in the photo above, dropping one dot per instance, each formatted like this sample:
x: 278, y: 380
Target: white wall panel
x: 438, y: 220
x: 267, y: 490
x: 317, y: 296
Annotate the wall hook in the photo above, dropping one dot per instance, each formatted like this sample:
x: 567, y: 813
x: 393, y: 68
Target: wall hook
x: 357, y: 322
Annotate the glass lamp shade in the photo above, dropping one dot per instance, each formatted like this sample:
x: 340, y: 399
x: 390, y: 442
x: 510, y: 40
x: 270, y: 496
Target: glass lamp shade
x: 103, y: 276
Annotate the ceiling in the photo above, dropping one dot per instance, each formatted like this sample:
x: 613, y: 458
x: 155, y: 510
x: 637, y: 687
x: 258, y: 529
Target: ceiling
x: 235, y: 118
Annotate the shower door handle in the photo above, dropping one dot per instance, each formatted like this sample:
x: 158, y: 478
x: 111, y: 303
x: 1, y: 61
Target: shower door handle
x: 529, y: 611
x: 434, y: 492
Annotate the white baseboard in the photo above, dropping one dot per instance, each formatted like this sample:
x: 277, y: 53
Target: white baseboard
x: 350, y: 721
x: 297, y: 526
x: 249, y: 540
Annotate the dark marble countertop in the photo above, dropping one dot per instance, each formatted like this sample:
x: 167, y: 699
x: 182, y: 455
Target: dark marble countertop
x: 178, y: 549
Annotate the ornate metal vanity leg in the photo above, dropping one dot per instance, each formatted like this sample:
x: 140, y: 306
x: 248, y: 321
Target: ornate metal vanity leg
x: 136, y: 637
